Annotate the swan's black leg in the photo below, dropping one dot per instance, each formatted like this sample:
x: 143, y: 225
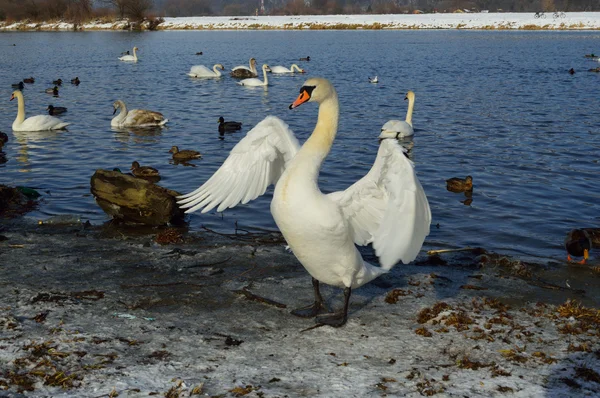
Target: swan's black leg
x: 339, y: 318
x: 314, y: 309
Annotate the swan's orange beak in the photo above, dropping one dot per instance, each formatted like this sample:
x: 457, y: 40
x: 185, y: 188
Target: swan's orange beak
x: 302, y: 98
x: 12, y: 97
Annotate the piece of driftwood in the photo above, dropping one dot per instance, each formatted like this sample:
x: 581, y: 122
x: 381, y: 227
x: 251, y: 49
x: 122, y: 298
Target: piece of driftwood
x: 134, y: 200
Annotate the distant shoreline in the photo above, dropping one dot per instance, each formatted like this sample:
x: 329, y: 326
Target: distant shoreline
x: 471, y: 21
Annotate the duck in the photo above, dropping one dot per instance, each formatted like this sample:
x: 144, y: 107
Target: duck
x: 305, y: 59
x: 143, y: 171
x: 29, y: 80
x: 3, y: 139
x: 199, y: 53
x: 204, y: 72
x: 130, y: 58
x: 373, y: 79
x: 255, y: 82
x: 592, y: 55
x: 456, y: 184
x: 136, y: 117
x: 75, y: 81
x: 19, y: 86
x: 571, y: 71
x: 228, y: 126
x: 184, y: 154
x: 387, y: 207
x: 594, y: 69
x: 579, y: 243
x: 400, y: 128
x: 278, y: 69
x: 57, y: 82
x: 56, y: 110
x: 33, y: 123
x: 53, y: 90
x: 244, y: 72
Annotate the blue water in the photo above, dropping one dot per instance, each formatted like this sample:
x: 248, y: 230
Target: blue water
x: 499, y: 106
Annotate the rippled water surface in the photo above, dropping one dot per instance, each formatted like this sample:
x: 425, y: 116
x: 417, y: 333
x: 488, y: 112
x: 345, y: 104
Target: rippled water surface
x: 499, y: 106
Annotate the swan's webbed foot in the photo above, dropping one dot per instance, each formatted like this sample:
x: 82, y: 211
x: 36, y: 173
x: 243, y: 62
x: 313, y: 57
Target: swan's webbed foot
x: 339, y: 318
x: 318, y: 307
x: 311, y: 311
x: 335, y: 320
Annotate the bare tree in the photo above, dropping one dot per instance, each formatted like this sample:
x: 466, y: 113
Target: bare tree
x: 119, y: 5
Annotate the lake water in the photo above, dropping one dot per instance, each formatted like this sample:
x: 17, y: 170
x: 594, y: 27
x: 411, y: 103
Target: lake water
x: 499, y: 106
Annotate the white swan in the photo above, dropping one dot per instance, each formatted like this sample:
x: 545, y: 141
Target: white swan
x: 282, y: 69
x: 136, y: 117
x: 373, y: 80
x: 203, y: 71
x: 254, y: 81
x: 33, y: 123
x: 387, y: 207
x: 400, y: 128
x: 243, y: 71
x: 130, y: 58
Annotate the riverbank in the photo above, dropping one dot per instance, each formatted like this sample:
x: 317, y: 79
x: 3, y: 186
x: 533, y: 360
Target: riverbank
x: 487, y: 21
x: 98, y: 311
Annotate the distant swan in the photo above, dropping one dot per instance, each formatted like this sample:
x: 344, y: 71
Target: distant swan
x: 400, y: 128
x: 243, y: 71
x: 33, y: 123
x: 255, y: 82
x: 130, y: 58
x: 282, y: 69
x: 373, y: 80
x: 136, y: 117
x: 203, y: 71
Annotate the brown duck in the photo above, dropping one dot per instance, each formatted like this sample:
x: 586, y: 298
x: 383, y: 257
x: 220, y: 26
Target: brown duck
x: 457, y: 184
x: 184, y: 154
x: 143, y: 171
x: 579, y: 242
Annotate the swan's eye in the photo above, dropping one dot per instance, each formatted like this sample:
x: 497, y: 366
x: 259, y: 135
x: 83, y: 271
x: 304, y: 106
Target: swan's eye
x: 308, y: 89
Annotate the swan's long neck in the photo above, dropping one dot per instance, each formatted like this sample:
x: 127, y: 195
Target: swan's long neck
x: 265, y: 75
x: 20, y: 109
x: 411, y: 105
x: 296, y: 67
x: 253, y: 68
x: 318, y: 145
x: 134, y: 54
x: 216, y: 70
x: 122, y: 113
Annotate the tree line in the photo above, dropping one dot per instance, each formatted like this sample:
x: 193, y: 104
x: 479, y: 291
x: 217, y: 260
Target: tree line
x: 78, y: 11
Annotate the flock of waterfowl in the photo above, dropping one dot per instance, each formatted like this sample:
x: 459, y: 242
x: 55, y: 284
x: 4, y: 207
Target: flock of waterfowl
x: 387, y: 208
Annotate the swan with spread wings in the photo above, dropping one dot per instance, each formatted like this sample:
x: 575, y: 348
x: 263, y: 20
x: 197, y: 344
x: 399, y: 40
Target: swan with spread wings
x: 387, y: 207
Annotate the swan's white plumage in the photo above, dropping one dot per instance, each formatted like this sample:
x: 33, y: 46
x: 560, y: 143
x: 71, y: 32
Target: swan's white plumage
x: 256, y: 82
x: 278, y: 69
x: 400, y: 128
x: 387, y: 207
x: 256, y: 162
x: 129, y: 57
x: 34, y: 123
x: 203, y: 71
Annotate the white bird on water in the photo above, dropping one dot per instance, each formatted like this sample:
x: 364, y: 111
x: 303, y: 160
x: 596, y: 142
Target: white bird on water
x: 387, y: 207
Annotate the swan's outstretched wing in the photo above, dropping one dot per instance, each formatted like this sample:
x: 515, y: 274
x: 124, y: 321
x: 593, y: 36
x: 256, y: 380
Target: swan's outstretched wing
x: 256, y: 162
x: 388, y: 207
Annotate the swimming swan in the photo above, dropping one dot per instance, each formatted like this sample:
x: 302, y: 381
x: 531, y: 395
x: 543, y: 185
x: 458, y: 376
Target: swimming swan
x: 244, y: 72
x: 34, y: 123
x: 255, y: 82
x: 203, y: 71
x: 130, y: 58
x: 282, y: 69
x: 136, y: 117
x: 387, y: 207
x: 400, y: 128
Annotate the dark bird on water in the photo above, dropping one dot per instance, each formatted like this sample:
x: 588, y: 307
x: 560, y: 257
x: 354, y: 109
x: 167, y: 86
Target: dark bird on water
x: 228, y: 126
x: 55, y: 110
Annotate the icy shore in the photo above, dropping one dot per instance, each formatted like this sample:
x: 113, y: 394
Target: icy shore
x: 509, y: 21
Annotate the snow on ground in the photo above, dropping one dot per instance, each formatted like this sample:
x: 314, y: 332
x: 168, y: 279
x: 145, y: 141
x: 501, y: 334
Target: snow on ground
x: 94, y: 312
x: 566, y: 21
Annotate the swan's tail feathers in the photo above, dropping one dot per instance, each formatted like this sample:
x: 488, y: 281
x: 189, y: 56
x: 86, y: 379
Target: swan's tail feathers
x: 61, y: 126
